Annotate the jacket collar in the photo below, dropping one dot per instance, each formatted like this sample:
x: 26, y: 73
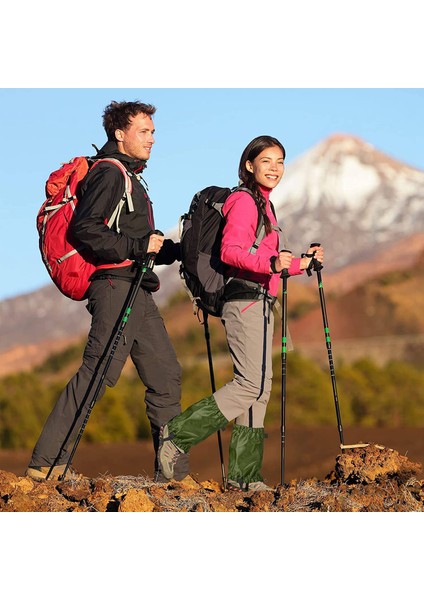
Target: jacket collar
x: 265, y: 191
x: 110, y: 150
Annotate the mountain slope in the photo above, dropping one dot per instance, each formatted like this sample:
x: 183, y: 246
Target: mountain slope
x: 351, y: 197
x: 388, y: 304
x: 44, y: 314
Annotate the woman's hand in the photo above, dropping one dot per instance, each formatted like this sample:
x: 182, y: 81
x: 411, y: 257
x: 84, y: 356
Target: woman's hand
x: 282, y: 261
x: 319, y: 255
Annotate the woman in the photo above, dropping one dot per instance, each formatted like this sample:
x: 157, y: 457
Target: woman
x: 249, y: 322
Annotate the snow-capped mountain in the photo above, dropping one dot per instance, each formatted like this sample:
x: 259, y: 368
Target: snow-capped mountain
x: 350, y: 197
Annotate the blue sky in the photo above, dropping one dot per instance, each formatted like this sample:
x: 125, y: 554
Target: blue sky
x: 201, y: 133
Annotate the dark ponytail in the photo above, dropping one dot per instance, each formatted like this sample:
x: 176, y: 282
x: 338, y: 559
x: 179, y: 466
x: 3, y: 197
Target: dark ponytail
x: 247, y: 179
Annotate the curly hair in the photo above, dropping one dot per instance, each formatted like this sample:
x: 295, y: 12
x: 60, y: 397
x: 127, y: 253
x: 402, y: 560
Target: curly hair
x: 118, y: 115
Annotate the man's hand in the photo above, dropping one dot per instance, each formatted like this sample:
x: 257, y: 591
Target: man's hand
x: 155, y: 243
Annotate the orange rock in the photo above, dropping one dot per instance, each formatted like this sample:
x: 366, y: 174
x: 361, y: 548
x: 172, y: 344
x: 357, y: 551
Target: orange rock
x: 373, y: 463
x: 136, y: 501
x: 188, y: 483
x: 101, y: 495
x: 8, y: 482
x: 211, y: 485
x: 25, y: 484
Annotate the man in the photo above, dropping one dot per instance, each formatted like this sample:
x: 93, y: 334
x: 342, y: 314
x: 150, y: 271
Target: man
x: 118, y: 252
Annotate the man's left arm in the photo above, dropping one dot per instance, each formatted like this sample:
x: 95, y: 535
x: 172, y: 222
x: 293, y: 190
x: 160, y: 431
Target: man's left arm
x: 169, y: 253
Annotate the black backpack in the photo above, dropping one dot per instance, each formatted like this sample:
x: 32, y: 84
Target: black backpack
x: 201, y: 269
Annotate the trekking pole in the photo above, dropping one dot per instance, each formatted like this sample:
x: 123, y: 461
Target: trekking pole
x: 148, y: 264
x: 208, y: 346
x: 284, y: 276
x: 317, y: 266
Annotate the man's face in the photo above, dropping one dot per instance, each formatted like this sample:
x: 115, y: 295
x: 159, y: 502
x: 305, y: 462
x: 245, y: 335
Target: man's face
x: 137, y: 139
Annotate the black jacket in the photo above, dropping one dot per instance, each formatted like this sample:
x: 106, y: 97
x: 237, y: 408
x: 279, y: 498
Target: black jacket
x: 100, y: 192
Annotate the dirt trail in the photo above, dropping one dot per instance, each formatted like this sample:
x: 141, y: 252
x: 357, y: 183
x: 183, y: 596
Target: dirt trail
x: 310, y: 452
x: 367, y: 479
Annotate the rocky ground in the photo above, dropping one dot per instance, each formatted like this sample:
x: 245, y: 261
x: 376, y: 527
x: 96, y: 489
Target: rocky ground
x: 368, y: 479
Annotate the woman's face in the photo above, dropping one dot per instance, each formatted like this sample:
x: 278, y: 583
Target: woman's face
x: 267, y: 167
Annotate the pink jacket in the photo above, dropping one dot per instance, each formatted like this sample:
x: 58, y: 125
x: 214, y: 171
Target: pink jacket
x: 241, y: 221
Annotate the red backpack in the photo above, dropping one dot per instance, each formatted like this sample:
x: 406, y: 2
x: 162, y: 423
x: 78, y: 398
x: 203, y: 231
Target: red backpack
x: 68, y: 264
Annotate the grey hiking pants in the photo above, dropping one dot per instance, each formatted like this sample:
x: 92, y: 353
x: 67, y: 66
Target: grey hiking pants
x: 146, y: 341
x: 249, y: 326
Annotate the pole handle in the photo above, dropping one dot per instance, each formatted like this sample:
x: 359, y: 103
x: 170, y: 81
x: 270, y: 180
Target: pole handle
x: 316, y: 264
x: 285, y: 272
x: 150, y: 259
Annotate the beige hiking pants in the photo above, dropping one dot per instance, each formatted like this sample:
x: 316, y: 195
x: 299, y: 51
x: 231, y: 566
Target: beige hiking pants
x: 249, y: 325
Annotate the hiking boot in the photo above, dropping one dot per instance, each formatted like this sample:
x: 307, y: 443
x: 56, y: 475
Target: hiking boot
x: 259, y: 486
x: 168, y: 453
x: 40, y: 473
x: 254, y: 486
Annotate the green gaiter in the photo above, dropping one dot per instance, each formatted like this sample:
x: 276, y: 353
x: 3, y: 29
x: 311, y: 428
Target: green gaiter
x: 196, y: 423
x: 246, y: 454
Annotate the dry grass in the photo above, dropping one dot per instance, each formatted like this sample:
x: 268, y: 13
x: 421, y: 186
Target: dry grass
x: 370, y: 479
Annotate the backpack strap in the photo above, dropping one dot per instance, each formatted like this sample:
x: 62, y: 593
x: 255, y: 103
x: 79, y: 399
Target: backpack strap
x: 126, y: 198
x: 260, y: 229
x: 260, y: 234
